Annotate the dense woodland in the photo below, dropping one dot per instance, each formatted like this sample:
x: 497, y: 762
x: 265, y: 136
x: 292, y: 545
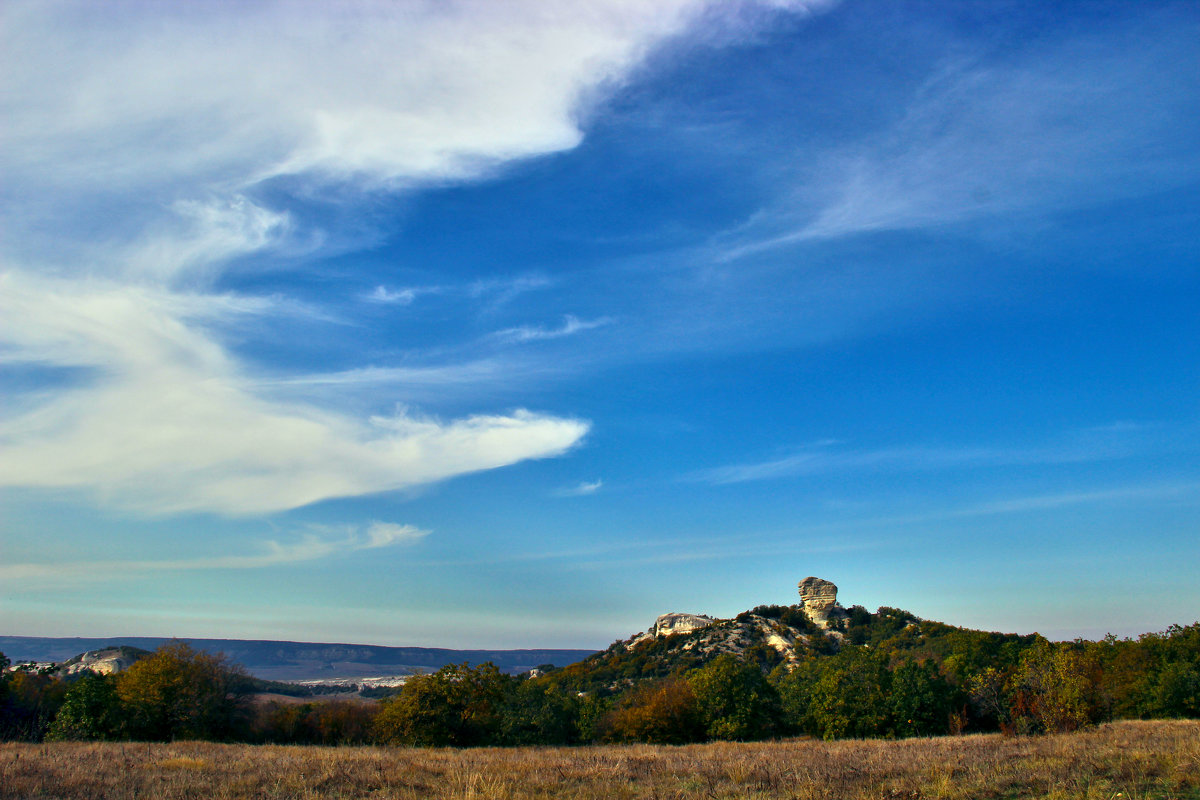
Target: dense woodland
x: 887, y: 675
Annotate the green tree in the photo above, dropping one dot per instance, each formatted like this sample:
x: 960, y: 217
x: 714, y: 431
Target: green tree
x: 1051, y: 690
x: 849, y: 698
x: 181, y: 693
x: 987, y: 692
x: 1173, y: 691
x: 593, y: 712
x: 734, y: 700
x: 457, y: 706
x: 91, y: 710
x: 920, y: 700
x: 537, y: 713
x: 1125, y: 667
x: 795, y: 693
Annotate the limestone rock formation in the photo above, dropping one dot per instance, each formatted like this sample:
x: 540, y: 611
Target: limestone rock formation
x: 105, y: 661
x: 819, y: 599
x: 692, y: 636
x: 668, y: 624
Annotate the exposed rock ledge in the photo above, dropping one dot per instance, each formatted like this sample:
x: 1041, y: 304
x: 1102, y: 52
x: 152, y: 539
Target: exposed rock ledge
x: 105, y: 661
x: 668, y: 624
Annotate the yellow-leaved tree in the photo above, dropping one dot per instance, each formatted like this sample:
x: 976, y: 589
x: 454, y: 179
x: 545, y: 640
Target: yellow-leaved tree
x: 182, y: 693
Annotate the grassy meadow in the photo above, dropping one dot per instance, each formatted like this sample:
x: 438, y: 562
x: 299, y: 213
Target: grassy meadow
x: 1126, y: 760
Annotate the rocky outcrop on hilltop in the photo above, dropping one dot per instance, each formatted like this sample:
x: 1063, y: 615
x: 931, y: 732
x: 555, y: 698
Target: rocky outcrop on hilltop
x: 706, y: 637
x: 770, y: 636
x: 779, y: 632
x: 672, y: 623
x: 105, y: 661
x: 767, y: 641
x: 818, y: 598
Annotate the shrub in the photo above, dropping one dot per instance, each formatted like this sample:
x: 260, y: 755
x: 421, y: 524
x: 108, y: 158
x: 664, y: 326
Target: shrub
x: 662, y: 712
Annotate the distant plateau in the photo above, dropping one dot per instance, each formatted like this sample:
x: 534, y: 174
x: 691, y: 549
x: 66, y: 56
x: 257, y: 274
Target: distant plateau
x: 300, y: 661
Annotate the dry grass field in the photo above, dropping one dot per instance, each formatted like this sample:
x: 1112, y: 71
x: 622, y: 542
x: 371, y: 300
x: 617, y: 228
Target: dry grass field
x: 1128, y: 760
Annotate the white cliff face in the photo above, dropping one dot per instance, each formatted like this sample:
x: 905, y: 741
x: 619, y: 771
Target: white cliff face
x: 105, y: 662
x: 713, y: 637
x: 819, y: 598
x: 668, y: 624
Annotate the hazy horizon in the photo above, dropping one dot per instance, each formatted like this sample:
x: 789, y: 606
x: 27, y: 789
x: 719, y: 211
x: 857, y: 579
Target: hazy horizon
x: 498, y: 325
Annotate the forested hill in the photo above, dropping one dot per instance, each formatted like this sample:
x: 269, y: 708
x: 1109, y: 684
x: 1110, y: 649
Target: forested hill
x: 1156, y: 675
x: 816, y: 669
x: 300, y: 660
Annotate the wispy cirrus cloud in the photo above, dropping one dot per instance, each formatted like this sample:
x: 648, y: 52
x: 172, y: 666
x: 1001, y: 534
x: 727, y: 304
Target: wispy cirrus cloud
x: 1116, y: 441
x: 1018, y: 505
x: 1154, y: 494
x: 394, y: 297
x: 470, y: 377
x: 1057, y: 126
x: 570, y: 326
x: 822, y: 460
x: 492, y: 293
x: 313, y: 544
x: 582, y: 489
x: 384, y: 534
x: 499, y: 292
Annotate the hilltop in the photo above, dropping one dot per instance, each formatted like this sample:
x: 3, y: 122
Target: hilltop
x: 775, y: 637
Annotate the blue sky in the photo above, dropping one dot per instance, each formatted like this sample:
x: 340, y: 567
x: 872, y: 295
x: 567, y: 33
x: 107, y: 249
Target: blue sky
x: 517, y: 324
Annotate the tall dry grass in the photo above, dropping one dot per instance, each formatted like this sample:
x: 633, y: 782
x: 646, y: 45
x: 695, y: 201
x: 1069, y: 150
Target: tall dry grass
x: 1123, y: 761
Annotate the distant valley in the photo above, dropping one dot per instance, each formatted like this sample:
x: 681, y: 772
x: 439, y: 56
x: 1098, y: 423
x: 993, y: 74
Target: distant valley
x: 300, y: 661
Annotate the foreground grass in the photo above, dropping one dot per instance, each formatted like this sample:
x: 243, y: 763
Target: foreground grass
x: 1128, y: 760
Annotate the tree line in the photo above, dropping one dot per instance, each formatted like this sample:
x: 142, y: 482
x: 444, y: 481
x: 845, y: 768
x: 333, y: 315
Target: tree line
x: 886, y: 674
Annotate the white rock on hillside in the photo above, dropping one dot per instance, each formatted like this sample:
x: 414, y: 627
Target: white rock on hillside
x: 668, y: 624
x: 105, y: 661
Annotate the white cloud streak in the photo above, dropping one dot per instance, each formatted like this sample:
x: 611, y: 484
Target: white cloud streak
x: 202, y: 236
x: 570, y: 326
x: 396, y: 297
x: 317, y: 543
x: 583, y: 489
x: 169, y: 424
x: 384, y: 534
x: 421, y: 381
x: 1094, y: 444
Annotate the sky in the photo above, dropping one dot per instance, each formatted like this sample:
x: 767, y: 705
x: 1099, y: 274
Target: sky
x: 517, y: 324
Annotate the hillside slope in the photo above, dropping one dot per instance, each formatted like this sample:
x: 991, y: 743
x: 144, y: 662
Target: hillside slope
x: 780, y: 636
